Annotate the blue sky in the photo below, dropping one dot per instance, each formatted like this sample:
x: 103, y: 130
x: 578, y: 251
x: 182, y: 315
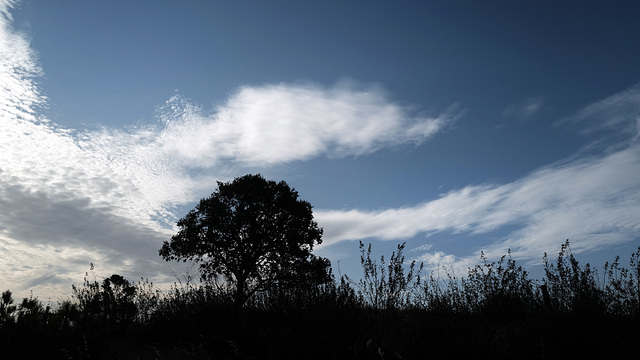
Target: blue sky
x: 456, y: 126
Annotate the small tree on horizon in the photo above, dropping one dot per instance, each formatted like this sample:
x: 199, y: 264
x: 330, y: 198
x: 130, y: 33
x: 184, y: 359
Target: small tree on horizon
x: 255, y: 233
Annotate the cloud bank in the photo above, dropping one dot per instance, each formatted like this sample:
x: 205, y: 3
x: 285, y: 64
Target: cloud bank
x: 108, y: 196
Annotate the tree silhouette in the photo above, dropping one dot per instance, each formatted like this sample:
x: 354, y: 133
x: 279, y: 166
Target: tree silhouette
x: 6, y: 308
x: 255, y: 233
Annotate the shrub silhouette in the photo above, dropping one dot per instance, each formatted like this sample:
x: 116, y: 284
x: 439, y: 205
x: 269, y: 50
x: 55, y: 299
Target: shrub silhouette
x: 572, y: 287
x: 394, y: 311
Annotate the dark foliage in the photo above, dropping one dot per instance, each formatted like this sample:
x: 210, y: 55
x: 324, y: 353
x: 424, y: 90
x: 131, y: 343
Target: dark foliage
x: 496, y: 311
x: 255, y: 233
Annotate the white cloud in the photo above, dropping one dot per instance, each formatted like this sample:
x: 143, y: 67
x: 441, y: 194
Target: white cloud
x: 280, y: 123
x: 437, y: 259
x: 424, y: 247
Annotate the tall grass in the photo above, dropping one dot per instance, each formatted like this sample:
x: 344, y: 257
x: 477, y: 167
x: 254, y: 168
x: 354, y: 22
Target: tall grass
x: 394, y: 311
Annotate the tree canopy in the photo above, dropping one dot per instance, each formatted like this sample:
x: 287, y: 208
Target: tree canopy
x: 254, y: 232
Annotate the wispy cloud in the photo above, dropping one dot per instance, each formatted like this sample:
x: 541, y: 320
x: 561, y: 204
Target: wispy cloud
x: 424, y: 247
x: 618, y: 113
x: 524, y: 110
x: 593, y: 199
x: 108, y: 196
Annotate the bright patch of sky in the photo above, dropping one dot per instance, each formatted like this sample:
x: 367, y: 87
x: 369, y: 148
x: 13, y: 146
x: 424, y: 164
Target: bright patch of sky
x: 457, y: 127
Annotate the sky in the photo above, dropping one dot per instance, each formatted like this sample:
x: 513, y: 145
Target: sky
x: 454, y: 126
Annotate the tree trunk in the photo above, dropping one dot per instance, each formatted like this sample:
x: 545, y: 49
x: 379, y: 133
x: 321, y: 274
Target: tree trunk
x: 240, y: 292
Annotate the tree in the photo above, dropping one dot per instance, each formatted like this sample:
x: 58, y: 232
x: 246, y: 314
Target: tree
x: 255, y: 233
x: 6, y: 308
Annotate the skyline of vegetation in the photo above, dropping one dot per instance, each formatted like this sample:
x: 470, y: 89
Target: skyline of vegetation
x: 496, y: 311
